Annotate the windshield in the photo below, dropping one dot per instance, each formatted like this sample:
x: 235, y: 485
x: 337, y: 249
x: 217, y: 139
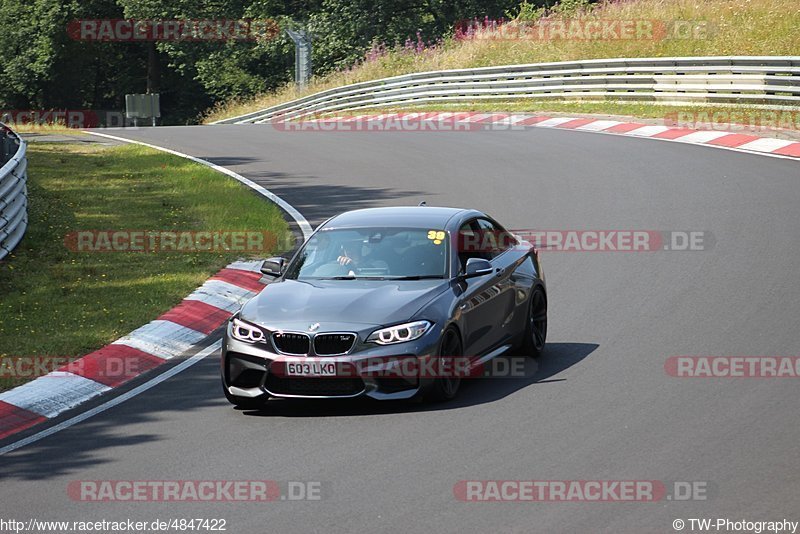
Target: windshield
x: 372, y: 253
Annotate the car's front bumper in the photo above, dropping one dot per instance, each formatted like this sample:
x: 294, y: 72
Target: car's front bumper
x: 251, y: 371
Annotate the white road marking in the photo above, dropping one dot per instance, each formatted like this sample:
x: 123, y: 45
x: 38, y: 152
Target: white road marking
x: 301, y: 221
x: 113, y: 402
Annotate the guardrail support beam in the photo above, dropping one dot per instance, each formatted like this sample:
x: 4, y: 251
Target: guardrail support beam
x: 753, y: 81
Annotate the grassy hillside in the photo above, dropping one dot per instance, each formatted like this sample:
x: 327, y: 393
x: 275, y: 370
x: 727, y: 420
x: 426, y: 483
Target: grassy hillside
x: 719, y: 27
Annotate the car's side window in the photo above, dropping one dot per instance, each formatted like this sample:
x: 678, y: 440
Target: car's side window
x: 494, y: 238
x: 469, y: 243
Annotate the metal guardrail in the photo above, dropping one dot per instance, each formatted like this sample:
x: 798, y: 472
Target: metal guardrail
x: 13, y: 190
x: 769, y: 81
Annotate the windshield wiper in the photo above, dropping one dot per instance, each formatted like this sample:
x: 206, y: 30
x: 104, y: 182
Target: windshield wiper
x: 417, y: 277
x: 352, y: 277
x: 412, y: 277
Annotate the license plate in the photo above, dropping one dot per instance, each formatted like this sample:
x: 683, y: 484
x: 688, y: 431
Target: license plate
x: 310, y: 369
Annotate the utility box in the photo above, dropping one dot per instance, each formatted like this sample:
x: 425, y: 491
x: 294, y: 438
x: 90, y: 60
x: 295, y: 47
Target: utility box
x: 147, y: 106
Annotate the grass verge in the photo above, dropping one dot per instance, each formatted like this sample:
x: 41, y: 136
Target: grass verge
x: 46, y: 129
x: 729, y: 27
x: 61, y: 303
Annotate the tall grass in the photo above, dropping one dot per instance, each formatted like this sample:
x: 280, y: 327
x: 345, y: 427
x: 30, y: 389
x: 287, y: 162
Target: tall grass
x: 722, y: 27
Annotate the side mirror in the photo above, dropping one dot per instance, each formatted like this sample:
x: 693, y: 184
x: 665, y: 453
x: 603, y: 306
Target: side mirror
x: 273, y: 267
x: 477, y: 267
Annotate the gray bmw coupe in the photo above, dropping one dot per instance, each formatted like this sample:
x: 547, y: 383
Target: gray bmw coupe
x: 389, y: 303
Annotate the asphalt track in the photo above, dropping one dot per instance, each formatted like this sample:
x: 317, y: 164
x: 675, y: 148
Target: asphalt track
x: 600, y: 407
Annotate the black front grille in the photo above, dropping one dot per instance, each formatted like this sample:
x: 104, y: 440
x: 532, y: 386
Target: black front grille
x: 327, y: 344
x: 314, y: 387
x: 291, y: 343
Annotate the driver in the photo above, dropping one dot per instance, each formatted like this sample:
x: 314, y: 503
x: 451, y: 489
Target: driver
x: 351, y: 254
x: 349, y: 261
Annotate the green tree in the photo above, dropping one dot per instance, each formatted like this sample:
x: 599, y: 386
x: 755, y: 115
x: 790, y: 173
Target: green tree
x: 41, y: 67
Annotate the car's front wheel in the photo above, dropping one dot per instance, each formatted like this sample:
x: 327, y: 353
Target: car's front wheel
x: 536, y: 326
x: 445, y: 387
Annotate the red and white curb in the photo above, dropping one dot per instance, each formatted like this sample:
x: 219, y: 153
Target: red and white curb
x: 175, y: 332
x: 450, y: 121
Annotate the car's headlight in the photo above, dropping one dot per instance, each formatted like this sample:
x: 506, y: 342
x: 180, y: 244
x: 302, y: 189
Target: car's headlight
x: 247, y: 332
x: 400, y: 333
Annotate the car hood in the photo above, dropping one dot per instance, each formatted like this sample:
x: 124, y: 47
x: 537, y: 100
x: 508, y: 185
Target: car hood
x: 298, y: 304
